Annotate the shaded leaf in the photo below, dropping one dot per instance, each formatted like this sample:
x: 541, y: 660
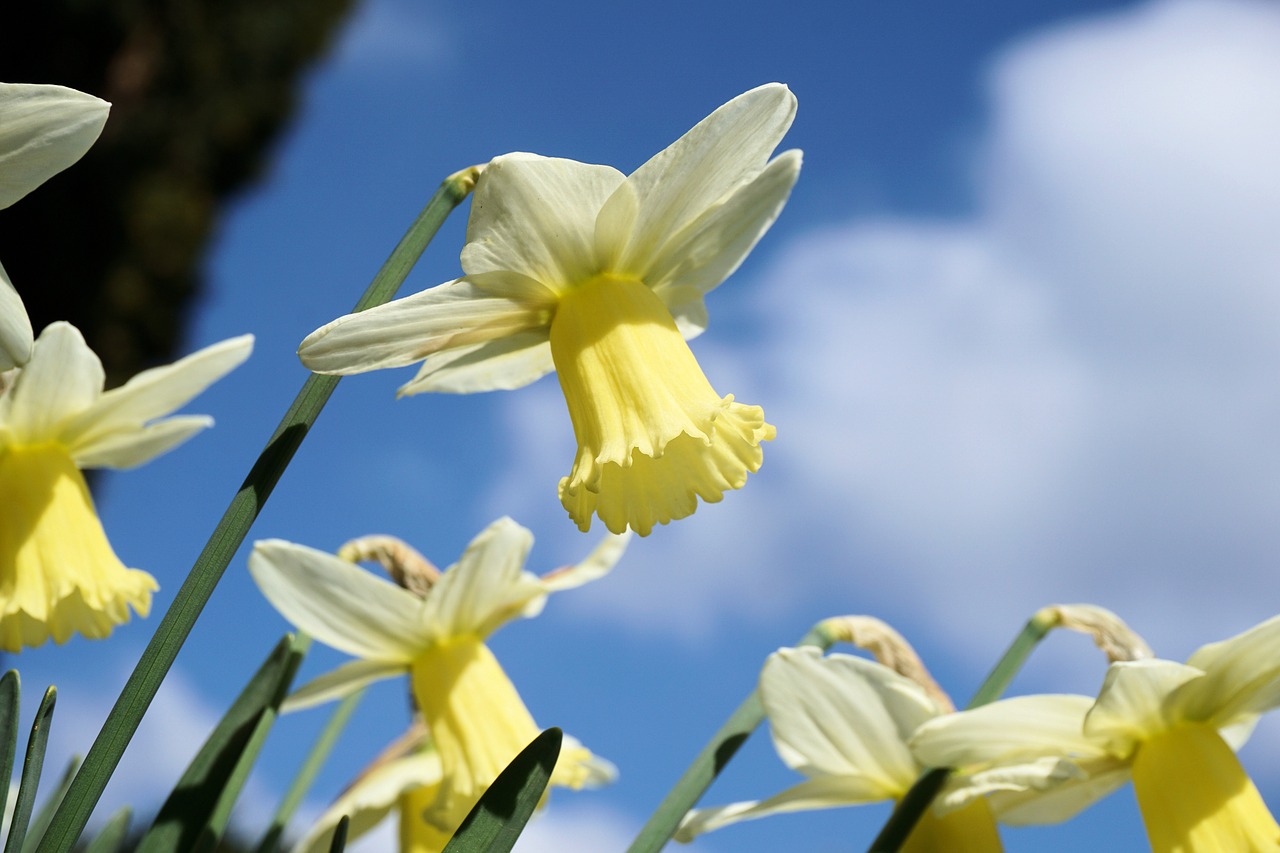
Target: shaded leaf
x: 498, y: 818
x: 32, y: 764
x: 113, y: 834
x: 196, y: 812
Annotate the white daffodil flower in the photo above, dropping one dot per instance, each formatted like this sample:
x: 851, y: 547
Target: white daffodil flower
x: 1172, y: 727
x: 476, y: 719
x: 844, y: 722
x: 58, y: 574
x: 43, y: 130
x: 601, y: 277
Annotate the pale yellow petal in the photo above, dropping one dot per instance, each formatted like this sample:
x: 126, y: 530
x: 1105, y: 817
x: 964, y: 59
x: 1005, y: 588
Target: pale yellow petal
x: 338, y: 603
x: 62, y: 379
x: 43, y: 130
x: 536, y: 216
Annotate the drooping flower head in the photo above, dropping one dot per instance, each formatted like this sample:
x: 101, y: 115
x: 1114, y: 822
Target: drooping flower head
x: 58, y: 574
x: 844, y: 721
x: 601, y: 277
x: 43, y: 130
x: 476, y: 719
x: 1171, y: 727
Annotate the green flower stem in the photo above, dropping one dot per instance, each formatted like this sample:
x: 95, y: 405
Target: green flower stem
x: 100, y: 762
x: 909, y: 809
x: 310, y: 768
x: 710, y: 761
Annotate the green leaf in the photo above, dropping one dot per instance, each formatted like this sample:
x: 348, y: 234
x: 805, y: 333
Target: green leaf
x: 125, y: 716
x: 339, y: 842
x: 113, y: 834
x: 41, y: 821
x: 307, y: 773
x: 196, y: 813
x: 9, y: 695
x: 495, y: 822
x: 31, y: 767
x: 708, y: 763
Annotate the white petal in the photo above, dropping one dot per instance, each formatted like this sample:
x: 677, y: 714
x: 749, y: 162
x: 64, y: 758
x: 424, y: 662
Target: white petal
x: 822, y: 793
x: 340, y: 682
x: 1242, y: 678
x: 829, y: 717
x: 537, y: 216
x: 722, y: 152
x: 62, y: 379
x: 105, y: 430
x: 43, y: 130
x: 688, y: 310
x: 710, y: 248
x: 338, y: 603
x: 1053, y: 791
x: 371, y: 799
x: 1010, y: 731
x: 453, y: 314
x: 596, y: 565
x: 15, y: 326
x: 1132, y: 704
x: 487, y: 586
x: 501, y: 365
x: 127, y: 449
x: 599, y: 771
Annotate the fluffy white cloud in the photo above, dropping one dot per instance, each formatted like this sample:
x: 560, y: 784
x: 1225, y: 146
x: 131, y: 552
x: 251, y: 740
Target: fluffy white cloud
x: 1069, y: 395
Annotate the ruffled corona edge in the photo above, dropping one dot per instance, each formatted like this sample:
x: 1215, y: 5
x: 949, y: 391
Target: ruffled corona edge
x: 58, y: 573
x: 666, y: 486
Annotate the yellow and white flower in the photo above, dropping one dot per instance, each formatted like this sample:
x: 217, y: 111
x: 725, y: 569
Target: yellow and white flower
x: 600, y: 276
x: 476, y: 719
x: 1172, y: 727
x: 43, y: 130
x: 58, y: 574
x: 844, y: 722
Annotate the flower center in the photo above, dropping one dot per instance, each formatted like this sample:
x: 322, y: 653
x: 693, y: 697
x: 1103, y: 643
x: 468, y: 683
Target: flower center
x: 1195, y: 796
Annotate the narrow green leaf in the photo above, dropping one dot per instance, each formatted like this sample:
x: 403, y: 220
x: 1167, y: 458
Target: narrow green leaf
x: 32, y: 764
x: 113, y: 834
x: 41, y: 821
x: 9, y: 695
x: 196, y: 813
x: 708, y: 763
x: 307, y: 773
x: 176, y: 624
x: 339, y: 842
x: 496, y: 821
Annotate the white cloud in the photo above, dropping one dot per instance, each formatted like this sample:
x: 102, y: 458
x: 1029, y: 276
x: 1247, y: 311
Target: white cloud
x: 1070, y: 395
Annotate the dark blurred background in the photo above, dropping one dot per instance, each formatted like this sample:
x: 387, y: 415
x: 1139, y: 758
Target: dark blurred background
x: 201, y: 91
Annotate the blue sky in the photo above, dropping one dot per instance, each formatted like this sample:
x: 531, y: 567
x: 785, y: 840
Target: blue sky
x: 1016, y: 328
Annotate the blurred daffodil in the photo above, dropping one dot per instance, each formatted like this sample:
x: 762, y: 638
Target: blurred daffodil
x: 1172, y: 727
x: 600, y: 276
x: 476, y: 719
x: 58, y: 574
x: 43, y: 130
x: 844, y: 722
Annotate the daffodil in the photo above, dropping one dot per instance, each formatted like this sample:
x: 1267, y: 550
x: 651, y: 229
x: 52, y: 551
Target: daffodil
x: 600, y: 276
x: 1172, y: 727
x: 43, y: 130
x: 58, y: 574
x: 476, y: 719
x: 844, y: 722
